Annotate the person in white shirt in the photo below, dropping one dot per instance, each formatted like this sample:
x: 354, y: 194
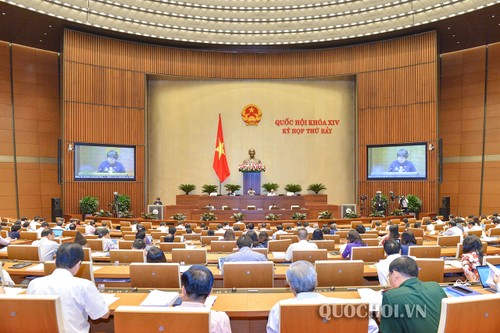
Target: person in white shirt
x: 8, y: 280
x: 303, y: 279
x: 80, y: 298
x: 471, y: 225
x: 391, y: 248
x: 59, y: 225
x: 47, y: 248
x: 163, y: 227
x: 453, y: 230
x: 42, y: 228
x: 197, y: 283
x: 34, y: 224
x: 279, y: 231
x: 302, y: 244
x: 308, y: 228
x: 90, y: 228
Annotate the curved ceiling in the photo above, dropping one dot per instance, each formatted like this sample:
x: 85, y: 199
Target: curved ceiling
x: 253, y: 22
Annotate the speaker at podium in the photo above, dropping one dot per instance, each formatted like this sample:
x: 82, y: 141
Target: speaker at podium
x: 156, y: 210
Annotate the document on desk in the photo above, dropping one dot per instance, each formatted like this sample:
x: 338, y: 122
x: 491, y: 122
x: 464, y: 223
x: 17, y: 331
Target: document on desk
x: 373, y: 297
x: 453, y: 263
x: 38, y: 268
x: 110, y: 298
x: 279, y: 255
x: 160, y: 298
x: 100, y: 254
x: 13, y: 290
x: 183, y: 268
x: 95, y: 268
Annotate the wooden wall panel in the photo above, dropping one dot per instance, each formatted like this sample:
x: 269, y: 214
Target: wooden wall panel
x: 102, y: 77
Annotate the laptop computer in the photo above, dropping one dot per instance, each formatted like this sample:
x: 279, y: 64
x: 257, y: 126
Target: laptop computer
x: 57, y: 232
x: 484, y: 273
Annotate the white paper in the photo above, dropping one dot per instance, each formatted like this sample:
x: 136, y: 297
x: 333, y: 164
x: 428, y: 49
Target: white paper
x: 160, y: 298
x: 453, y: 263
x: 183, y: 268
x: 210, y: 300
x: 95, y: 268
x: 374, y: 298
x: 37, y: 267
x: 110, y: 298
x: 100, y: 254
x: 279, y: 255
x: 13, y: 290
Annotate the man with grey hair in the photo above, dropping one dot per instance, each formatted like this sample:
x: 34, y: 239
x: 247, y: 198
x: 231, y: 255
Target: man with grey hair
x: 303, y: 279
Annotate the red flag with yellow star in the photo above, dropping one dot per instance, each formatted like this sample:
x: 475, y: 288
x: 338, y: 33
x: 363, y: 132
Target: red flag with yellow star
x: 220, y: 162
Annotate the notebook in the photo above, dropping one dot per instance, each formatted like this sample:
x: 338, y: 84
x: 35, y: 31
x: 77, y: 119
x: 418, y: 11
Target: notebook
x: 484, y: 273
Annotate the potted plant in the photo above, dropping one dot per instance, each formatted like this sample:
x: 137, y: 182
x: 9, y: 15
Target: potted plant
x: 414, y: 203
x: 299, y: 216
x: 149, y: 216
x: 88, y: 205
x: 379, y: 204
x: 178, y: 217
x: 270, y: 186
x: 316, y: 188
x: 238, y: 217
x: 209, y: 189
x: 325, y: 215
x: 272, y: 217
x: 186, y: 188
x: 208, y: 217
x: 231, y: 188
x: 294, y: 188
x: 350, y: 214
x: 103, y: 213
x: 397, y: 212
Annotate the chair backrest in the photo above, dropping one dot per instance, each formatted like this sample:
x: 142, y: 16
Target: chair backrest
x: 438, y: 227
x: 261, y: 250
x: 158, y: 235
x: 87, y: 254
x: 125, y: 228
x: 293, y: 238
x: 147, y: 225
x: 69, y: 233
x: 478, y: 233
x: 430, y: 269
x: 86, y: 270
x: 222, y: 246
x: 126, y: 256
x: 483, y: 307
x: 19, y: 313
x: 288, y: 224
x: 491, y: 232
x: 129, y: 237
x: 95, y: 244
x: 355, y: 223
x: 29, y: 235
x: 191, y: 237
x: 367, y: 253
x: 23, y: 252
x: 340, y: 273
x: 155, y: 275
x: 190, y: 256
x: 342, y: 233
x: 309, y: 255
x: 292, y: 317
x: 206, y: 240
x: 328, y: 245
x: 448, y: 240
x: 417, y: 232
x: 494, y: 260
x: 167, y: 247
x: 427, y: 251
x: 280, y: 245
x: 258, y: 274
x: 124, y: 223
x: 133, y: 319
x: 336, y: 238
x: 371, y: 241
x: 125, y: 244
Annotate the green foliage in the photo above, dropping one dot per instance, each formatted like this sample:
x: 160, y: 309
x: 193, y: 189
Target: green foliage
x: 272, y: 217
x: 384, y: 201
x: 316, y: 187
x: 397, y: 212
x: 231, y: 188
x: 350, y: 214
x: 299, y: 216
x: 209, y: 188
x: 89, y: 204
x: 186, y: 188
x: 208, y: 217
x: 414, y: 203
x: 237, y: 217
x: 325, y: 215
x: 123, y: 203
x: 149, y: 216
x: 270, y: 186
x: 293, y: 188
x: 125, y: 214
x: 103, y: 213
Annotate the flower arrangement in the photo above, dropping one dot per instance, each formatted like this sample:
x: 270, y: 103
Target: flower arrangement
x: 325, y: 215
x: 237, y: 217
x: 208, y: 217
x: 178, y: 217
x: 299, y: 216
x: 251, y: 167
x: 350, y: 214
x: 272, y: 217
x: 149, y: 216
x: 103, y: 213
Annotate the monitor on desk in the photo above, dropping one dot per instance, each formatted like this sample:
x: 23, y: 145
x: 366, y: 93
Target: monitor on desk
x: 57, y: 232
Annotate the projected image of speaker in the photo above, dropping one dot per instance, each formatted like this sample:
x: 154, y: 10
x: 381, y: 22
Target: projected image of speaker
x: 156, y: 210
x: 56, y: 208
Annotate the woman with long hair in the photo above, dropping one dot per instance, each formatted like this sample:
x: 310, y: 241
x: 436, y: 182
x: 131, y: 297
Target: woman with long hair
x: 472, y: 257
x: 353, y: 240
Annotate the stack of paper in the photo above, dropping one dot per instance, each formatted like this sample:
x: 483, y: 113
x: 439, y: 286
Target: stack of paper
x: 160, y: 298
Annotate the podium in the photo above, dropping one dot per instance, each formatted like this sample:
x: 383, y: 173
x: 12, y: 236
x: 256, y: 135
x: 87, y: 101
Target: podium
x: 251, y: 180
